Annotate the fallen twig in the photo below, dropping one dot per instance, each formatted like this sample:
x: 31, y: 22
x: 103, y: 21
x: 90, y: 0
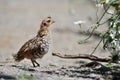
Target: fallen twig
x: 82, y: 56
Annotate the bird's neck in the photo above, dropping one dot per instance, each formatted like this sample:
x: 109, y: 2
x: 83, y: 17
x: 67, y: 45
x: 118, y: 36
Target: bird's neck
x: 43, y: 31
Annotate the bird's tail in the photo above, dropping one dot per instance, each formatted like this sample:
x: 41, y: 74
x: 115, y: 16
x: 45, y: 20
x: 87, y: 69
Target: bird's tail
x: 18, y: 57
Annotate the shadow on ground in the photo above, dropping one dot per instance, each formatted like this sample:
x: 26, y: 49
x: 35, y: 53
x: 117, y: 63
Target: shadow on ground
x: 93, y: 71
x: 7, y: 77
x: 24, y: 68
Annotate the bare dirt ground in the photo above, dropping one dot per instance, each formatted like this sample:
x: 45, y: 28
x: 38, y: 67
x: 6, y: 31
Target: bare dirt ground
x: 19, y: 22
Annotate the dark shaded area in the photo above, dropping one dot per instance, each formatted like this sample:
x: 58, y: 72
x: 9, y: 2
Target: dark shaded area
x: 80, y: 62
x: 93, y: 70
x: 1, y: 65
x: 24, y: 68
x: 7, y: 77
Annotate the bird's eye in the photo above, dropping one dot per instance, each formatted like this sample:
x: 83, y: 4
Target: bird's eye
x: 48, y: 21
x: 44, y: 24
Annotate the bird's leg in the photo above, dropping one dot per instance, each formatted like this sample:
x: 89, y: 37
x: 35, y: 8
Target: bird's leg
x: 33, y: 62
x: 37, y: 63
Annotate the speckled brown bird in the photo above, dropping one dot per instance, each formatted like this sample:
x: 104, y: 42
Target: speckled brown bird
x: 38, y: 46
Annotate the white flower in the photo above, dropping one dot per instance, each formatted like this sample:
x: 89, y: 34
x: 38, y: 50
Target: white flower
x: 119, y: 62
x: 101, y: 2
x: 107, y: 1
x: 112, y: 34
x: 119, y: 31
x: 114, y: 42
x: 111, y: 11
x: 99, y: 5
x: 79, y: 22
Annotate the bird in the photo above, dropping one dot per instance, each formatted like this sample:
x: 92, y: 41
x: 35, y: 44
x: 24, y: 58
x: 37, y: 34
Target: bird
x: 38, y: 46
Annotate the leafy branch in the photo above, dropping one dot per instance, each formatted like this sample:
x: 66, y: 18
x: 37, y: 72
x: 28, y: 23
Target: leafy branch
x: 110, y: 38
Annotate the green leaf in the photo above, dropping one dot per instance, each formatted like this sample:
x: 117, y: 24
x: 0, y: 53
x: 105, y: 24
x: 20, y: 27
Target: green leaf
x: 109, y: 64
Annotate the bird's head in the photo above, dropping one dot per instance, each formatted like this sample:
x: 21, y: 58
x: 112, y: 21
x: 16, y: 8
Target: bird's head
x: 47, y: 22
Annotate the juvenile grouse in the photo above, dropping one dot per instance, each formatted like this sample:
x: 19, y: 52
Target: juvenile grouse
x: 38, y: 46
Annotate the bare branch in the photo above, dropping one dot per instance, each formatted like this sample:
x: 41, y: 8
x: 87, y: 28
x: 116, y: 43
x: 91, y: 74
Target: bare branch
x: 82, y: 56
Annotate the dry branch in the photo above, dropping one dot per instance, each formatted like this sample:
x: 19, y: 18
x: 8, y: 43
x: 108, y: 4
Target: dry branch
x: 82, y: 56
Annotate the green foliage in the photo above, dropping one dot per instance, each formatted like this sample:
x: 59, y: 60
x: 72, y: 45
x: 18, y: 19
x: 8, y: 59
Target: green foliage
x: 111, y: 37
x: 109, y: 64
x: 24, y: 77
x: 115, y: 56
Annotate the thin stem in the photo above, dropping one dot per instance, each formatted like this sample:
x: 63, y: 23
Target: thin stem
x: 98, y: 22
x: 98, y: 44
x: 90, y: 34
x: 97, y: 10
x: 104, y: 22
x: 103, y: 14
x: 108, y: 20
x: 106, y: 10
x: 96, y: 47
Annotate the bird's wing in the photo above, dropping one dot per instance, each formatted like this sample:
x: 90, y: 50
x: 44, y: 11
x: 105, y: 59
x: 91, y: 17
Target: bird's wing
x: 30, y: 46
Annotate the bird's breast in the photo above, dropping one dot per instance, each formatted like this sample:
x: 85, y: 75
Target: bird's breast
x: 44, y: 47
